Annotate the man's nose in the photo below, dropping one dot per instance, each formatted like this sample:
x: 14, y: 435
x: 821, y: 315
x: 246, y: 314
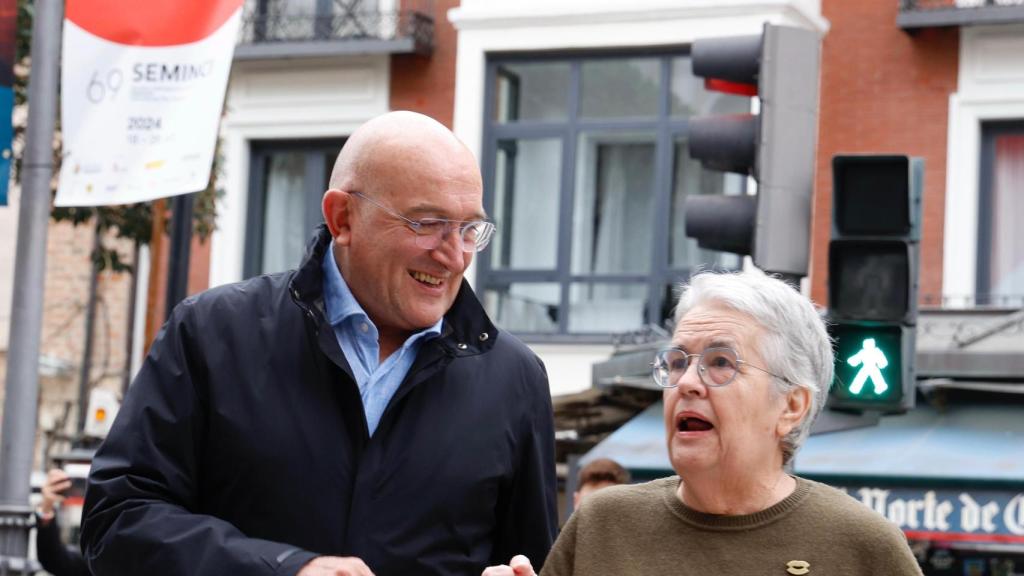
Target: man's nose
x: 449, y: 251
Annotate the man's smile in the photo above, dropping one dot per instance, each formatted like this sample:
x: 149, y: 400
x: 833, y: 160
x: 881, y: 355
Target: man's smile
x: 425, y: 278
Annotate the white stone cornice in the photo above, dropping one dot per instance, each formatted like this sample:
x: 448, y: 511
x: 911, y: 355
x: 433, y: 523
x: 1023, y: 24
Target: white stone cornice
x: 509, y: 15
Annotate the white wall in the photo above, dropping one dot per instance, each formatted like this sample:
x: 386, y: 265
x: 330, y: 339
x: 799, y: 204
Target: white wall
x: 533, y: 25
x: 990, y: 87
x: 286, y: 99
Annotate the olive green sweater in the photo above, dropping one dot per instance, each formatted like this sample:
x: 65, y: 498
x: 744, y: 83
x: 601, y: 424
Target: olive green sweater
x: 645, y: 529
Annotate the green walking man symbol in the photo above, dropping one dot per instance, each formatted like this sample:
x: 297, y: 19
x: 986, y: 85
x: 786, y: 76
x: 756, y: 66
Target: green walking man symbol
x: 871, y: 360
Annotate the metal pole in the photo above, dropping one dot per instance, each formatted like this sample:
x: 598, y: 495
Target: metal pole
x: 181, y: 249
x: 17, y: 438
x: 90, y: 321
x: 126, y: 376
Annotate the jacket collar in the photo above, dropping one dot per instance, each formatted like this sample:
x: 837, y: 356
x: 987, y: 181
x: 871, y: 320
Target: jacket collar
x: 307, y: 283
x: 466, y: 331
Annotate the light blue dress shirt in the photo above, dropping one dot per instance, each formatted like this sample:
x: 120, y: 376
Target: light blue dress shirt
x: 357, y: 336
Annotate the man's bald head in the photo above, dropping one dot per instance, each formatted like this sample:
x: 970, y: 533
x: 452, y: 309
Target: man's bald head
x: 392, y: 140
x: 394, y: 168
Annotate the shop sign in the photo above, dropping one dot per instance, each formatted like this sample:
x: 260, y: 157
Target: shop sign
x: 945, y: 514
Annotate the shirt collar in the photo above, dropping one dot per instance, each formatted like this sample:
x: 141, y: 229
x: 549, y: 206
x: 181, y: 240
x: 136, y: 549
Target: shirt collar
x: 341, y: 304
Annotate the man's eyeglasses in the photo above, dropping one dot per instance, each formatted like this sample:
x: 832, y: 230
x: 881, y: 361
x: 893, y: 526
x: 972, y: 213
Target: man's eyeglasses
x: 430, y: 232
x: 716, y: 366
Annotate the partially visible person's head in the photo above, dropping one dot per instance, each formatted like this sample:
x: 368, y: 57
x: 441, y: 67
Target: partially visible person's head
x: 414, y: 166
x: 777, y: 345
x: 598, y: 474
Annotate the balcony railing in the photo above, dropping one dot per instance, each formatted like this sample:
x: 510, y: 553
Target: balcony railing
x: 916, y: 14
x: 277, y: 33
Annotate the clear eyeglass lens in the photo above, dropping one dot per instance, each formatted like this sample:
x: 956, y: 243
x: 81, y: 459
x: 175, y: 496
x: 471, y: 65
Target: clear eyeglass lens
x: 431, y: 232
x: 471, y: 232
x: 476, y: 235
x: 431, y: 227
x: 669, y: 367
x: 719, y: 366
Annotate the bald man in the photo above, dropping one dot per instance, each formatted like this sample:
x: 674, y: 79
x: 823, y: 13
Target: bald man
x: 358, y: 416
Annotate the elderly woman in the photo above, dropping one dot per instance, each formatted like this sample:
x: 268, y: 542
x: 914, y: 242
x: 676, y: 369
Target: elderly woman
x: 746, y: 373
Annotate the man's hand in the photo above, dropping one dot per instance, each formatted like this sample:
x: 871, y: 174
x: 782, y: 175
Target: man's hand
x: 335, y: 566
x: 519, y: 566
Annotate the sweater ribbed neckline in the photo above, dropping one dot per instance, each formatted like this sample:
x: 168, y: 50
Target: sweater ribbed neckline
x: 707, y: 521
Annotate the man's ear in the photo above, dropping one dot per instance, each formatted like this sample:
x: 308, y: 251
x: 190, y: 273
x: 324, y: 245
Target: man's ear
x: 798, y: 402
x: 336, y: 206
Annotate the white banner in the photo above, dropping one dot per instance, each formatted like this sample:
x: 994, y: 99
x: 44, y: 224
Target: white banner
x: 142, y: 92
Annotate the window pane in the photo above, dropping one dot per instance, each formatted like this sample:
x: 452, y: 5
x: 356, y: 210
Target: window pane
x: 524, y: 307
x: 620, y: 88
x: 527, y: 174
x: 689, y: 178
x: 689, y: 98
x: 605, y: 307
x: 284, y: 212
x: 532, y: 91
x: 1006, y: 277
x: 613, y: 204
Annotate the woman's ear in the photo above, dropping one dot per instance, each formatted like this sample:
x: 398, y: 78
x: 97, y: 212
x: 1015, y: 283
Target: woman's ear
x: 798, y: 402
x: 336, y: 206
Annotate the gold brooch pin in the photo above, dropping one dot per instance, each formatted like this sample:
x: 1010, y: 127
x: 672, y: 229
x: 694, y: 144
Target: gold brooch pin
x: 798, y: 567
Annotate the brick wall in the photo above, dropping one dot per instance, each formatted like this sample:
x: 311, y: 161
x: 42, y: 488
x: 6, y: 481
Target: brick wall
x: 198, y: 275
x: 884, y: 91
x: 427, y: 85
x: 62, y: 342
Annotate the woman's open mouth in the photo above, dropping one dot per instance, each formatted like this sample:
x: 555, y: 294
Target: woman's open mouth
x: 692, y: 423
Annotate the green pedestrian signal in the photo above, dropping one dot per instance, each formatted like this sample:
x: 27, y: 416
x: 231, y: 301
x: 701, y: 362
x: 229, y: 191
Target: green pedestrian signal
x: 868, y: 365
x: 872, y: 361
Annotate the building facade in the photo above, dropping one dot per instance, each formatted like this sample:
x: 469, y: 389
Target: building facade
x: 578, y: 113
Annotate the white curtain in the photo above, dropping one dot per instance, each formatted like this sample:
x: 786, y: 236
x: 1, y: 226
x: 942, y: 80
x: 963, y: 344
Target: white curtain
x: 284, y: 227
x: 612, y: 230
x: 1007, y: 269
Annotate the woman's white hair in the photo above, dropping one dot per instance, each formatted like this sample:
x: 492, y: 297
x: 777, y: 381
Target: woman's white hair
x: 795, y: 343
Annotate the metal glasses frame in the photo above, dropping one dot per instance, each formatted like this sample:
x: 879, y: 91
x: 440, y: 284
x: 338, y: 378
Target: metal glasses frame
x: 702, y: 370
x: 418, y: 226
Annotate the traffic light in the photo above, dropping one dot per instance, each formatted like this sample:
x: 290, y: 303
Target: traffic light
x: 776, y: 147
x: 873, y: 279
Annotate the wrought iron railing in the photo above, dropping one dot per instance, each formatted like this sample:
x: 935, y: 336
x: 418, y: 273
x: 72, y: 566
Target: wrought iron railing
x: 970, y: 301
x: 965, y: 4
x: 277, y: 24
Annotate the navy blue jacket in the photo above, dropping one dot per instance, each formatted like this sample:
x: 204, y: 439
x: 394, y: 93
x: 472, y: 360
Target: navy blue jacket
x: 242, y: 446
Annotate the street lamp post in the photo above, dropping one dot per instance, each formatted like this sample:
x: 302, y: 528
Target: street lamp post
x: 17, y: 437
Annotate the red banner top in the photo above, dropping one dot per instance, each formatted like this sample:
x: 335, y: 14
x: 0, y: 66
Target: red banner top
x: 151, y: 23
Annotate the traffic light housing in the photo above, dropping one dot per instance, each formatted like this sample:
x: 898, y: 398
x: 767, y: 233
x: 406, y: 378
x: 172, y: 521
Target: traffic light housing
x: 776, y: 147
x: 873, y: 281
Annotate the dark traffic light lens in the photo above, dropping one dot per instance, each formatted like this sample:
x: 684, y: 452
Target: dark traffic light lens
x: 871, y: 195
x: 869, y: 280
